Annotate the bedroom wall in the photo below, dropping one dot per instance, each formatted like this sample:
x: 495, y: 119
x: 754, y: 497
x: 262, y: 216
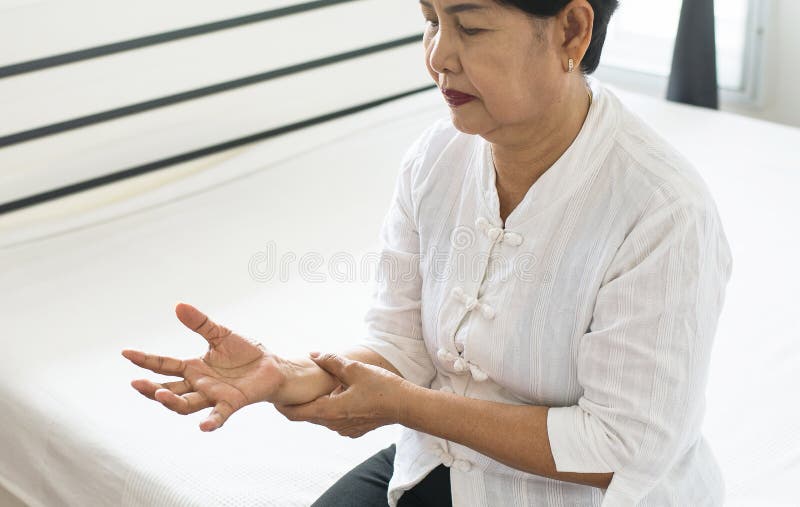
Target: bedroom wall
x: 782, y: 72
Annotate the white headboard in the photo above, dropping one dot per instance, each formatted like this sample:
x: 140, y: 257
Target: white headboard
x: 93, y: 92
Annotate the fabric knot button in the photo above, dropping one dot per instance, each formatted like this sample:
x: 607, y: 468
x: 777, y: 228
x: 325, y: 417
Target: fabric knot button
x: 494, y: 233
x: 481, y: 223
x: 487, y: 311
x: 470, y: 302
x: 512, y: 238
x: 478, y: 374
x: 462, y: 465
x: 457, y: 292
x: 460, y: 365
x: 447, y: 458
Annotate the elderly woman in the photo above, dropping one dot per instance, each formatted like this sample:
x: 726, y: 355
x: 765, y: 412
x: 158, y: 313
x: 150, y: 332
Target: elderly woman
x: 543, y: 320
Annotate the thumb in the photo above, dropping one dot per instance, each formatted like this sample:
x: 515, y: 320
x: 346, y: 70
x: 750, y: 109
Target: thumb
x: 334, y: 364
x: 220, y: 413
x: 201, y: 324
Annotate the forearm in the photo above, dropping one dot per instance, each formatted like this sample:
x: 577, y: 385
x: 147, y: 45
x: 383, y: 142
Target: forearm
x: 304, y: 381
x: 515, y: 435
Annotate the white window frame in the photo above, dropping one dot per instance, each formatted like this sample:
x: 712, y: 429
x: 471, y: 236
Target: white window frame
x: 751, y: 91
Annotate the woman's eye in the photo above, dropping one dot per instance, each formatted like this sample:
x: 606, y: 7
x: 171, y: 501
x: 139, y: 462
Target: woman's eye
x: 467, y: 31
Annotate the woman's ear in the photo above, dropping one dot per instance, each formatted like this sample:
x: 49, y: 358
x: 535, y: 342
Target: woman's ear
x: 576, y: 21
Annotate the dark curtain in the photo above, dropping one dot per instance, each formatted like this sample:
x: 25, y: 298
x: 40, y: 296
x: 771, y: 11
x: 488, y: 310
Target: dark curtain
x: 693, y: 79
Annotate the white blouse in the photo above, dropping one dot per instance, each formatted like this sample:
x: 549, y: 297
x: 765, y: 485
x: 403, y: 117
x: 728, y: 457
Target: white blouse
x: 598, y: 297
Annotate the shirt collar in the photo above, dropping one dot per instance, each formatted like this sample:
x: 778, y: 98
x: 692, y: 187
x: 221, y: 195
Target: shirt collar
x: 563, y: 178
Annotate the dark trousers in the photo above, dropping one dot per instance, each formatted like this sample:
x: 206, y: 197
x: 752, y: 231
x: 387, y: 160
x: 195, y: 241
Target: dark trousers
x: 366, y: 486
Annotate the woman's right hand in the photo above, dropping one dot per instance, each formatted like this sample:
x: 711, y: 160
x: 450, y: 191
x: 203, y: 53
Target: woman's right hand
x: 233, y: 373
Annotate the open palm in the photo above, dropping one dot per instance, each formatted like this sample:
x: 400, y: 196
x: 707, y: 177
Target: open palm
x: 233, y: 373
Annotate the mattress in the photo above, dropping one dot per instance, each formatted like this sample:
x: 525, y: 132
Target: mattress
x: 78, y: 287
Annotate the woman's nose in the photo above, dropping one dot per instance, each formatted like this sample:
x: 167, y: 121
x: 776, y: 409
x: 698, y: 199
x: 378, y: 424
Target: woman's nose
x: 443, y: 56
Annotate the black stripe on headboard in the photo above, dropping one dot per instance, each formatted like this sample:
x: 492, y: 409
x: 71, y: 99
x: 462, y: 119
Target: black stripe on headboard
x: 184, y: 157
x: 150, y: 40
x: 112, y: 114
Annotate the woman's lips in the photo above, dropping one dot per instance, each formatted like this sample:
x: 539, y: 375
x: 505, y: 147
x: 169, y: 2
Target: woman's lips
x: 456, y: 98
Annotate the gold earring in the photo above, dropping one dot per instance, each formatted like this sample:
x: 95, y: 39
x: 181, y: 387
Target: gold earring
x: 571, y: 65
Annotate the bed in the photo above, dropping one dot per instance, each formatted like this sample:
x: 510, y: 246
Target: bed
x: 77, y: 288
x: 93, y: 260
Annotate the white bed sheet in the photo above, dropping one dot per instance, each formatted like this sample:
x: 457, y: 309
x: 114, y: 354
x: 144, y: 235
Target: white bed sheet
x: 78, y: 289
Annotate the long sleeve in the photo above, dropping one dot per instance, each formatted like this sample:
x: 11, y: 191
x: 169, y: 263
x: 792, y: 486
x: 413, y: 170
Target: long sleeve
x: 394, y: 325
x: 643, y: 365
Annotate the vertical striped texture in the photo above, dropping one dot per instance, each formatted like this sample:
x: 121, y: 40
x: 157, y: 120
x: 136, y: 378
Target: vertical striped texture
x: 611, y: 324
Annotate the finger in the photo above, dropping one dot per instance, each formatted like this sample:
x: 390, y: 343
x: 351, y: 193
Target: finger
x: 358, y: 430
x: 222, y: 411
x: 334, y: 364
x: 350, y: 433
x: 347, y: 424
x: 149, y: 388
x: 188, y: 403
x: 289, y: 411
x: 201, y: 324
x: 304, y: 412
x: 159, y: 364
x: 356, y: 433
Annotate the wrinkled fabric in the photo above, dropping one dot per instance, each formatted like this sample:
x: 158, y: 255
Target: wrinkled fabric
x: 598, y: 297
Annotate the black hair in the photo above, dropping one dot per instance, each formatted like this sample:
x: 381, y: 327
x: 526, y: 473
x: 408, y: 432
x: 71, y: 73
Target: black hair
x: 603, y: 9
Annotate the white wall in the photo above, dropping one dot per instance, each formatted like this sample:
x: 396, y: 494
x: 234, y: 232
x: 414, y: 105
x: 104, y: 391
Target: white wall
x: 782, y: 66
x: 780, y: 97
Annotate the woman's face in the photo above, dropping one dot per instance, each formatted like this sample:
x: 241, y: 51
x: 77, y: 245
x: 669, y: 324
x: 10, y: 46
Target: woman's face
x: 498, y: 54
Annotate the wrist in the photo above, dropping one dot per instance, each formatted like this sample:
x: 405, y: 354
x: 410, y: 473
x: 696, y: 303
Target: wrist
x: 407, y: 399
x: 301, y: 381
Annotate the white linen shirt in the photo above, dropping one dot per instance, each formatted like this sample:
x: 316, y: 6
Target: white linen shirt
x: 598, y: 297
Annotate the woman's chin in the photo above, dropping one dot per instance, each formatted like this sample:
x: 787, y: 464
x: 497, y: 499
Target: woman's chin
x: 462, y: 124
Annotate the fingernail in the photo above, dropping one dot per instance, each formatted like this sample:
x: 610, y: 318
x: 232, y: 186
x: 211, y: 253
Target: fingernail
x: 313, y: 355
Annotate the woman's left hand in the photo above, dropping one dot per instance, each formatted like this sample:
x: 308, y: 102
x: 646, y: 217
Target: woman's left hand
x: 368, y: 397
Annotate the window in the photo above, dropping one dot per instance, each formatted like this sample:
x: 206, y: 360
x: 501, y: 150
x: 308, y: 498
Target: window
x: 641, y: 37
